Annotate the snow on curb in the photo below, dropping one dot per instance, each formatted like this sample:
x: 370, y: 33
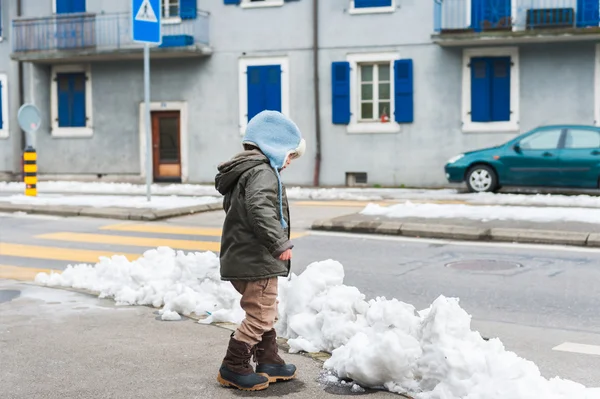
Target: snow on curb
x: 431, y: 354
x: 484, y: 213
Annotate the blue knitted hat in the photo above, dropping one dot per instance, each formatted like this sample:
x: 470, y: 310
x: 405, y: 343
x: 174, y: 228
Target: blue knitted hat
x: 278, y: 138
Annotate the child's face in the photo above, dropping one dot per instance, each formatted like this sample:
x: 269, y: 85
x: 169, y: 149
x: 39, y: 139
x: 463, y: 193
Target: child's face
x: 288, y: 161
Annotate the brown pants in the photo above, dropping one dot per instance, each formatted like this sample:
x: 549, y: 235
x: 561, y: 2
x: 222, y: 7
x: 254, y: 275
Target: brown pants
x: 259, y: 301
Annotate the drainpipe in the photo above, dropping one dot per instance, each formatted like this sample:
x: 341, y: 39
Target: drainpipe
x: 315, y: 49
x: 21, y: 92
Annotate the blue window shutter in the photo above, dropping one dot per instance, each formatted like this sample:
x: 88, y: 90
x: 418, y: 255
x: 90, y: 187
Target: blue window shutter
x: 588, y: 13
x: 63, y: 6
x: 272, y: 79
x: 403, y: 91
x: 77, y: 5
x: 340, y: 91
x: 481, y: 90
x: 188, y: 9
x: 1, y: 116
x: 78, y: 115
x: 256, y: 92
x: 232, y: 1
x: 500, y: 88
x: 372, y: 3
x: 63, y: 85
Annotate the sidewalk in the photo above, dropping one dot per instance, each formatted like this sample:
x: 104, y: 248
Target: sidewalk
x: 554, y: 233
x: 62, y: 345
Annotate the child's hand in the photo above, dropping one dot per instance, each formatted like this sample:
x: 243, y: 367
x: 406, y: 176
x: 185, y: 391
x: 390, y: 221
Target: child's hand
x: 286, y: 255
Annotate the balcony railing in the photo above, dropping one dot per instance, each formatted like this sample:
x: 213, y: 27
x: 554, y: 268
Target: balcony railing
x: 99, y: 32
x: 454, y: 16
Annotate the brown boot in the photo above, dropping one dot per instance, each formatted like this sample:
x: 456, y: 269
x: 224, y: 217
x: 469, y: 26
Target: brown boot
x: 236, y: 370
x: 268, y: 361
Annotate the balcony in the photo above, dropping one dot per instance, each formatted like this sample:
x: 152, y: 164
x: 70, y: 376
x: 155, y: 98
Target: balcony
x: 96, y: 37
x: 477, y: 22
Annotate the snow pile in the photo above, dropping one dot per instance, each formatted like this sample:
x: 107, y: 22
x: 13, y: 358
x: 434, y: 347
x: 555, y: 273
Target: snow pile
x: 103, y: 201
x: 484, y: 213
x: 432, y: 354
x: 182, y: 283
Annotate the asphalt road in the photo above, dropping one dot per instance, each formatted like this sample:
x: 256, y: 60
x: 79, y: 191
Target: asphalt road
x: 533, y: 298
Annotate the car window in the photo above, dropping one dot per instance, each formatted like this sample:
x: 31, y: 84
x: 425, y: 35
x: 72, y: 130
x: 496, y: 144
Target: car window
x: 544, y: 140
x: 581, y: 138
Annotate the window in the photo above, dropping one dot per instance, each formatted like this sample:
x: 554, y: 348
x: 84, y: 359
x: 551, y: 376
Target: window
x: 582, y: 139
x: 69, y: 6
x: 491, y: 90
x: 544, y: 140
x: 371, y: 6
x: 71, y: 101
x: 170, y: 9
x: 375, y: 92
x: 372, y: 93
x: 3, y: 107
x: 261, y: 3
x: 264, y: 85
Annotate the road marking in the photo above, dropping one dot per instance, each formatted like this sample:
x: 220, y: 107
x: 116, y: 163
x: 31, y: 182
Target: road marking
x: 175, y: 230
x: 22, y: 273
x: 55, y: 253
x: 578, y: 348
x: 516, y: 246
x: 146, y: 242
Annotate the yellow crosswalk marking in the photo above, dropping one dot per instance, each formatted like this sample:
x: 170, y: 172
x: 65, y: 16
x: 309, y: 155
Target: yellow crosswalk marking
x: 22, y: 273
x: 175, y: 230
x: 134, y: 241
x: 56, y: 253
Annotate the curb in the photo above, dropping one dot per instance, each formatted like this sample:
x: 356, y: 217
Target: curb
x: 110, y: 212
x: 456, y: 232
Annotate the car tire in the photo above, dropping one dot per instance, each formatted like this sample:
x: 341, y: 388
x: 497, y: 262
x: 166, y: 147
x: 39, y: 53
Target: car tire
x: 482, y: 179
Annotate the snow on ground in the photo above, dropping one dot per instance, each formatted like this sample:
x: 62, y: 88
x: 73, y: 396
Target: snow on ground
x: 103, y: 201
x: 298, y: 193
x: 484, y: 213
x: 432, y: 354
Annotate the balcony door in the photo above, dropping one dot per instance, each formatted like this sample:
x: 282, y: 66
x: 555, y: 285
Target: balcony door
x: 74, y: 31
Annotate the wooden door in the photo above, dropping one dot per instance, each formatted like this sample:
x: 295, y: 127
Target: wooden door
x: 166, y: 146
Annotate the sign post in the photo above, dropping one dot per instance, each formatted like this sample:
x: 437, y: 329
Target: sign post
x: 146, y: 28
x: 29, y: 119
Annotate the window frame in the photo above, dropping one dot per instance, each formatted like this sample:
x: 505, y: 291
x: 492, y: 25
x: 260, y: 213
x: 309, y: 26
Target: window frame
x: 468, y: 126
x: 5, y: 131
x: 597, y: 87
x: 355, y: 125
x: 261, y: 4
x: 166, y: 20
x: 66, y: 132
x: 371, y: 10
x: 243, y: 64
x: 375, y: 82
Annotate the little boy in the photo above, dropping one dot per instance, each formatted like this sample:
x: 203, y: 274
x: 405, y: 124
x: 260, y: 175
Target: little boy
x: 256, y: 247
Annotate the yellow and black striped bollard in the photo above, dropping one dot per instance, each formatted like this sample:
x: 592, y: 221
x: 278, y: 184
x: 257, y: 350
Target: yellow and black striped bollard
x: 30, y: 171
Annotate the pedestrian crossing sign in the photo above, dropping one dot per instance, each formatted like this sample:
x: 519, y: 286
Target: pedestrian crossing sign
x: 145, y: 21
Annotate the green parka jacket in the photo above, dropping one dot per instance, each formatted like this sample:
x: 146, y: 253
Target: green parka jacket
x: 253, y: 238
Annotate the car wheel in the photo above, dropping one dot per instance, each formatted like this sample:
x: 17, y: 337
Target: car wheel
x: 482, y: 179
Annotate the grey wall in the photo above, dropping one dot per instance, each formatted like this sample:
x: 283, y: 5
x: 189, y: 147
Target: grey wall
x: 556, y: 87
x: 10, y: 148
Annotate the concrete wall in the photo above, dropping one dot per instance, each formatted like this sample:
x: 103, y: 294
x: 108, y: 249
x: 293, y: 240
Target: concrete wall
x: 556, y: 87
x: 10, y: 148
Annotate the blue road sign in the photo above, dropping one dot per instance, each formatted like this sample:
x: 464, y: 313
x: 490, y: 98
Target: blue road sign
x: 145, y: 21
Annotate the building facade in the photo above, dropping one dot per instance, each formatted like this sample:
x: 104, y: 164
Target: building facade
x: 403, y: 85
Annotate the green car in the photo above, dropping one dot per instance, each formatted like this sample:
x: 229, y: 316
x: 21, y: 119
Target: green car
x: 549, y: 156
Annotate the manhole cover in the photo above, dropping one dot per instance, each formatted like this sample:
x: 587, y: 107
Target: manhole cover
x: 484, y: 265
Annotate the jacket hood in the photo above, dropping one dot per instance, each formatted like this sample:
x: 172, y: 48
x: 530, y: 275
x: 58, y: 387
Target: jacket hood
x: 276, y: 135
x: 230, y: 171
